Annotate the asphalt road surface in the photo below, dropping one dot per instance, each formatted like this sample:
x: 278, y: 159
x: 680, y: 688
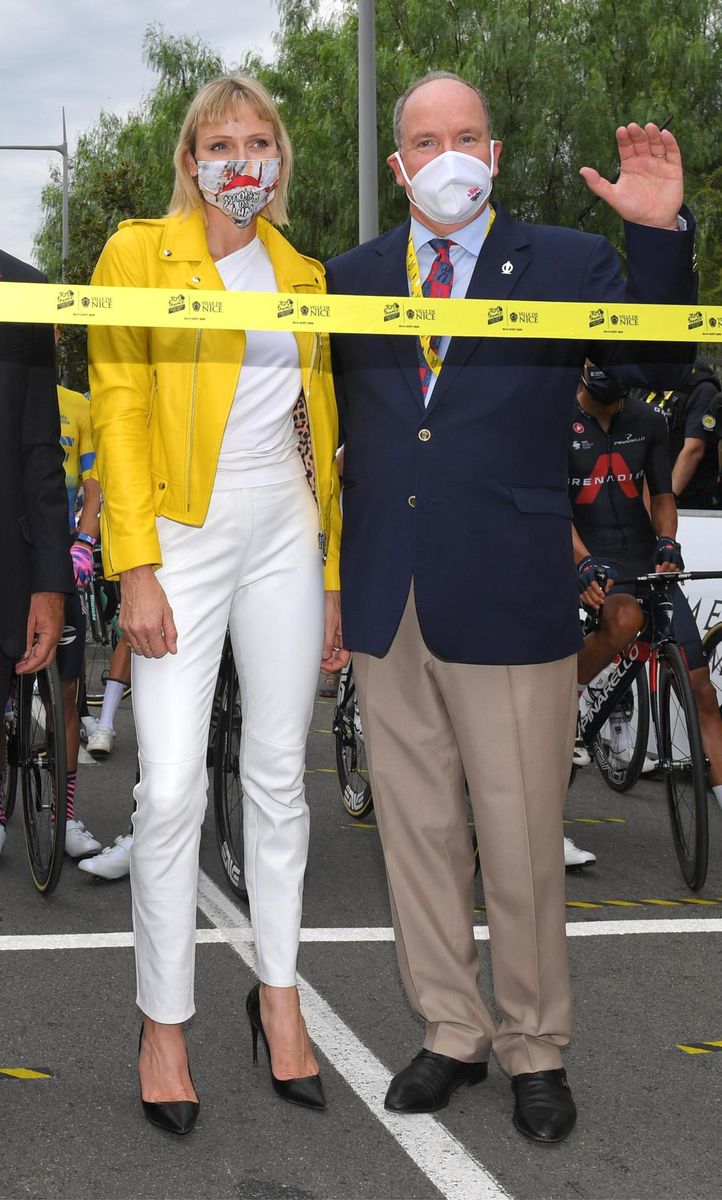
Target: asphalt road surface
x: 645, y: 958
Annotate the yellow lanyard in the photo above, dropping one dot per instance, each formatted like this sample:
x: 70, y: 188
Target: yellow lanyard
x: 412, y: 270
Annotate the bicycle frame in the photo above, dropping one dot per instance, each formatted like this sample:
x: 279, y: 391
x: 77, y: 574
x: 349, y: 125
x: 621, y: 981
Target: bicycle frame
x: 619, y: 680
x: 658, y: 607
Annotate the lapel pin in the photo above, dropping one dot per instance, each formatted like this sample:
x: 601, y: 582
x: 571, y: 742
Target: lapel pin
x: 507, y: 268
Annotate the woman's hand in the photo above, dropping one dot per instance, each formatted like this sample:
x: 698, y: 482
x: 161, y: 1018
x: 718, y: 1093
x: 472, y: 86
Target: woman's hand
x: 334, y: 656
x: 146, y: 617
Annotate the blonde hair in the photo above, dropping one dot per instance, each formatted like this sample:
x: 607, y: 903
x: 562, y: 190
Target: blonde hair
x: 218, y: 100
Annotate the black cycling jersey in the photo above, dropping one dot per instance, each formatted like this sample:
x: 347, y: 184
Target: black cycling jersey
x: 607, y: 470
x: 606, y: 475
x: 694, y: 412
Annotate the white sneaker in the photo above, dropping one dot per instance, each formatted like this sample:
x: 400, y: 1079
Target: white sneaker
x: 3, y: 835
x: 79, y: 840
x: 88, y: 725
x: 113, y: 863
x: 581, y: 756
x: 620, y: 733
x: 574, y: 857
x: 101, y: 740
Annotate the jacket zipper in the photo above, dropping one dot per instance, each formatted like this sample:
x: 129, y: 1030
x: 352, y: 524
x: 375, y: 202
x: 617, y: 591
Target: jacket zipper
x: 194, y: 386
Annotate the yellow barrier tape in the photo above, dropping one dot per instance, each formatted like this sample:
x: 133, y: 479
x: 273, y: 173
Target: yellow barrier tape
x: 50, y: 303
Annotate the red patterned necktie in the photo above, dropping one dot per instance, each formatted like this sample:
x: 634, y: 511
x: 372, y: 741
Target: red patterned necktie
x: 436, y: 286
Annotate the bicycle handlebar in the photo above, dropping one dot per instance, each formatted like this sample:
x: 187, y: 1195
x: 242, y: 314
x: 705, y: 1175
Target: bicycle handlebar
x: 667, y: 578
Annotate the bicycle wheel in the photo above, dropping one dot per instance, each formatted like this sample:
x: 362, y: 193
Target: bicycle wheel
x: 42, y: 768
x: 227, y: 789
x: 619, y: 749
x: 351, y: 765
x: 683, y: 762
x: 712, y: 646
x: 9, y: 758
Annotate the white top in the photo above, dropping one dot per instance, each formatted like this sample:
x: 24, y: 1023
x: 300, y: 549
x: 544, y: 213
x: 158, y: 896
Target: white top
x: 260, y: 444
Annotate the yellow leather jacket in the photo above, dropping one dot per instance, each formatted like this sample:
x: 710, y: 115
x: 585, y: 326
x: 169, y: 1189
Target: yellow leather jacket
x: 160, y: 398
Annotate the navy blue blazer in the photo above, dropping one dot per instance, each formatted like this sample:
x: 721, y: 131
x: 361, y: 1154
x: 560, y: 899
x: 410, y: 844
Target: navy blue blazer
x: 34, y: 540
x: 468, y: 497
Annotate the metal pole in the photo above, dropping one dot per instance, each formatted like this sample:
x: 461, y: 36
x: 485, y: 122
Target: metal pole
x: 368, y: 184
x: 62, y: 149
x: 65, y: 235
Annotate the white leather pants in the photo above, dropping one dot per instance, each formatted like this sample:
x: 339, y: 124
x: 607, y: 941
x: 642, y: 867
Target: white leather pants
x: 254, y: 566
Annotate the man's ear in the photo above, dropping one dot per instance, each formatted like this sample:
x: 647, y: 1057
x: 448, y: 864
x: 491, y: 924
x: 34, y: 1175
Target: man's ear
x: 393, y: 162
x: 498, y: 147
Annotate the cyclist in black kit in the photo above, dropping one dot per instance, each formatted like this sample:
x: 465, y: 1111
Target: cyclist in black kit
x: 618, y: 445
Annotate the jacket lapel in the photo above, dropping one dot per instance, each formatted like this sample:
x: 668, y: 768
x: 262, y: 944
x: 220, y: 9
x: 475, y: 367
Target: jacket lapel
x: 387, y: 277
x: 500, y: 266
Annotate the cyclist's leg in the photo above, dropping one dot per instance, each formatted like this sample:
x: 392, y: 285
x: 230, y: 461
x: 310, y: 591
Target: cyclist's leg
x: 6, y: 671
x: 102, y: 738
x: 622, y: 619
x: 710, y: 722
x: 78, y: 839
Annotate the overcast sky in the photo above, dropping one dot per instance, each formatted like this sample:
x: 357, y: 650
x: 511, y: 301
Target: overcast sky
x: 86, y: 55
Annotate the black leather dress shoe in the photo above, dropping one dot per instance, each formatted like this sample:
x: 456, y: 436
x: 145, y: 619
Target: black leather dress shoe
x: 544, y: 1109
x: 428, y: 1082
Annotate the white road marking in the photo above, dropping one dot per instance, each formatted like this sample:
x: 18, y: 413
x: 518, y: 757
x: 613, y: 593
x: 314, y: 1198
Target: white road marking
x: 445, y: 1162
x: 242, y: 934
x: 88, y: 941
x: 443, y: 1159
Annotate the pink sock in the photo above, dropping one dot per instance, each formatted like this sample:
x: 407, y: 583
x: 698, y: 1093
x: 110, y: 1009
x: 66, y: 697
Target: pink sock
x: 72, y: 781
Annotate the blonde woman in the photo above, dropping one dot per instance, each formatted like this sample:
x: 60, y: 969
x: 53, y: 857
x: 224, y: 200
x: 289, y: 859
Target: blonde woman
x: 216, y: 457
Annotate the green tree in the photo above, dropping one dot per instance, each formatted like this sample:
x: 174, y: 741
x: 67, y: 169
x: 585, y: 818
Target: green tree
x: 121, y: 168
x: 560, y: 76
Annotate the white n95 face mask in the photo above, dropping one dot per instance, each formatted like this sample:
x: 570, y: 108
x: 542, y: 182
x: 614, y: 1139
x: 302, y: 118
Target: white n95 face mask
x: 451, y: 187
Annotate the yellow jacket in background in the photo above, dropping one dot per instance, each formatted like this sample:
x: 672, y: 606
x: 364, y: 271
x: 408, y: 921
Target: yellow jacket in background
x: 160, y: 398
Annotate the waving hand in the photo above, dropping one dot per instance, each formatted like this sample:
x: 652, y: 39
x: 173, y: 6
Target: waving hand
x: 650, y: 187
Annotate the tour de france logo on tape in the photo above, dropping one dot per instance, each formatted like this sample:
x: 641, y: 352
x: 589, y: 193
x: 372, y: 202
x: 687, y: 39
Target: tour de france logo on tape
x: 177, y: 303
x: 285, y: 308
x: 596, y: 318
x: 495, y: 314
x: 66, y: 298
x: 695, y: 320
x: 392, y: 312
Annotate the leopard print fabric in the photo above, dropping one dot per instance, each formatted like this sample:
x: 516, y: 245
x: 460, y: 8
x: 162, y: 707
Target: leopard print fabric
x: 303, y: 429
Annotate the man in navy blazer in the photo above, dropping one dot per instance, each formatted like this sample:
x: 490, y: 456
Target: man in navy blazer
x: 459, y: 591
x: 35, y: 567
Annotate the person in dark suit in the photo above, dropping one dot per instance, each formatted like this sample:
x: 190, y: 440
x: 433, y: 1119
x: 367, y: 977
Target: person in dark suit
x: 459, y: 592
x: 35, y: 567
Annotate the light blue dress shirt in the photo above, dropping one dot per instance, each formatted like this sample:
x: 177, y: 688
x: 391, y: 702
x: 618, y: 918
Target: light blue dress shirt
x: 464, y: 253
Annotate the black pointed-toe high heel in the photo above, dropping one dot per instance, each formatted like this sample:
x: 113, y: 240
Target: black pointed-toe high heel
x: 175, y: 1116
x: 308, y: 1090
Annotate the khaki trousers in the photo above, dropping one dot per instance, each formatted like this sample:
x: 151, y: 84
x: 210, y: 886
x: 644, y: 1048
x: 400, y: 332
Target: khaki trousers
x: 428, y: 725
